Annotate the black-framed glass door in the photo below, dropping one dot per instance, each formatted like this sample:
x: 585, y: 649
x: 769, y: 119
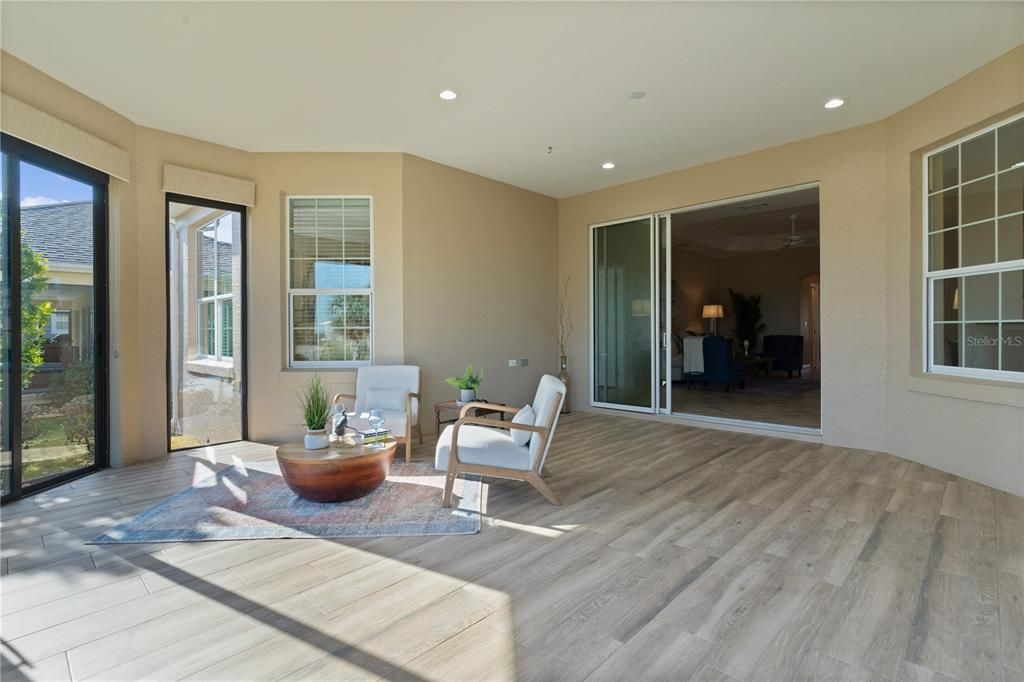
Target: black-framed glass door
x: 53, y: 295
x: 206, y: 322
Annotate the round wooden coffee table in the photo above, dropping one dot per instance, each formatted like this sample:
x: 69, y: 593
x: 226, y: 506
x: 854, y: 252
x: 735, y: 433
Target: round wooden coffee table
x: 344, y: 470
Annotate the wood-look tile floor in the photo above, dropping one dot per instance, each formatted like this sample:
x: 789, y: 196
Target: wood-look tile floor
x: 774, y: 400
x: 679, y: 553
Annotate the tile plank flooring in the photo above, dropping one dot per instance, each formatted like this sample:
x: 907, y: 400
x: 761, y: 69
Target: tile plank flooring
x: 678, y: 553
x: 775, y: 400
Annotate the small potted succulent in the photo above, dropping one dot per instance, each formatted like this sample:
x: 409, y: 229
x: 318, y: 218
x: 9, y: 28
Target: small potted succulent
x: 467, y: 384
x: 316, y: 411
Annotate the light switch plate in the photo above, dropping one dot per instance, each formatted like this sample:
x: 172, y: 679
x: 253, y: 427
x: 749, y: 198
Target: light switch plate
x: 511, y: 363
x: 524, y: 362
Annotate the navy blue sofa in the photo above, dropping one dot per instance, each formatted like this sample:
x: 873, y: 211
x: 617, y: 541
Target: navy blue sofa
x: 720, y: 367
x: 787, y: 351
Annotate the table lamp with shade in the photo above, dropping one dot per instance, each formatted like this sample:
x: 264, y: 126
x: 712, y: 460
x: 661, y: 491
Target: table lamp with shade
x: 713, y: 312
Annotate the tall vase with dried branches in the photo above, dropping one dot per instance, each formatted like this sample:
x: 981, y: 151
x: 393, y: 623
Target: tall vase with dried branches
x: 562, y: 334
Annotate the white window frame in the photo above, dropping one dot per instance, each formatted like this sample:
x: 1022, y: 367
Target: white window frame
x: 53, y: 331
x: 218, y: 323
x: 928, y: 276
x: 292, y: 363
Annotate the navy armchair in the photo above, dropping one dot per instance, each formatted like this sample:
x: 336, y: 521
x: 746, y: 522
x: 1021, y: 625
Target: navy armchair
x: 787, y: 352
x: 720, y: 367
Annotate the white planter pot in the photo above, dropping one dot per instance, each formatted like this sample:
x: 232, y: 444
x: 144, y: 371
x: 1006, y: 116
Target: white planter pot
x: 466, y: 396
x: 316, y: 440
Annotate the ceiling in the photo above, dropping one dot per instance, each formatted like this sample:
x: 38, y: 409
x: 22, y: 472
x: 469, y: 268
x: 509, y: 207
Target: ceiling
x: 721, y: 79
x: 748, y: 225
x: 190, y: 213
x: 741, y: 207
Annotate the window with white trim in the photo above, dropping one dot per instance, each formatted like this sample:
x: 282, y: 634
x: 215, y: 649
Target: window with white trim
x: 60, y: 322
x: 974, y: 254
x: 215, y: 300
x: 330, y: 281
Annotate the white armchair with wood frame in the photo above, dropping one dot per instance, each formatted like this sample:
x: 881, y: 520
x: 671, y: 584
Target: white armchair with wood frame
x: 395, y: 391
x: 489, y: 447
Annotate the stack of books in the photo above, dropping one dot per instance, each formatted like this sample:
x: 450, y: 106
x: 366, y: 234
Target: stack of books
x: 378, y: 436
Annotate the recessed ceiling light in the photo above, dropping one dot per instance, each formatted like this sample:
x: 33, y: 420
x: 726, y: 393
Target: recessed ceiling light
x: 607, y: 165
x: 834, y: 103
x: 448, y: 95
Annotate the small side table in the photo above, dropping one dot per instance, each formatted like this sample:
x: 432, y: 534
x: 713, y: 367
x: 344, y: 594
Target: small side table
x: 763, y: 363
x: 453, y: 406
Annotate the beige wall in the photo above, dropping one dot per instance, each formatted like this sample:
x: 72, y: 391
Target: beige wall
x: 508, y: 232
x: 873, y: 394
x: 146, y: 303
x: 273, y: 387
x: 846, y: 164
x: 971, y: 428
x: 480, y: 281
x: 33, y: 87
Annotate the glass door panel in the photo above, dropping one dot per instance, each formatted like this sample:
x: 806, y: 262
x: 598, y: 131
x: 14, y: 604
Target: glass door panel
x: 664, y: 314
x: 205, y: 250
x: 58, y: 325
x: 623, y: 328
x: 6, y: 325
x: 53, y: 379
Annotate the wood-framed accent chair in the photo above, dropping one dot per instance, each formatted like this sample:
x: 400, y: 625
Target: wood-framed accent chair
x: 393, y: 389
x: 476, y: 445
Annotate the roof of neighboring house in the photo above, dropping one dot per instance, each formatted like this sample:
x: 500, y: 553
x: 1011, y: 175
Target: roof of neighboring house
x: 61, y: 232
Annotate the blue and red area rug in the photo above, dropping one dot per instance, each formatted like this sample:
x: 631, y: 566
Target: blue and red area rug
x: 245, y: 503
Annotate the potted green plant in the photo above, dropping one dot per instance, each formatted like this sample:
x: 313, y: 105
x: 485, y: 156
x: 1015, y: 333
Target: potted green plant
x: 316, y: 410
x: 467, y: 384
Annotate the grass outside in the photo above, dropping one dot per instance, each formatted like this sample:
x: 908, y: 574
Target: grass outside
x: 48, y: 452
x: 46, y: 467
x: 184, y: 442
x: 51, y: 432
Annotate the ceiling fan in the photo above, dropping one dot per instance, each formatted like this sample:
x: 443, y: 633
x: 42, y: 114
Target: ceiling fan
x: 793, y: 240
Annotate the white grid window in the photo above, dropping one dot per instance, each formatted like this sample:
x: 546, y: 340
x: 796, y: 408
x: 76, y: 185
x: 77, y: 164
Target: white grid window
x: 974, y: 254
x: 215, y: 303
x: 330, y: 281
x: 60, y: 322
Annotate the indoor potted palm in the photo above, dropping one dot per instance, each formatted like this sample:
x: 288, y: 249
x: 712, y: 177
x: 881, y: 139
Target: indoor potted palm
x: 316, y: 410
x: 747, y: 311
x: 467, y: 384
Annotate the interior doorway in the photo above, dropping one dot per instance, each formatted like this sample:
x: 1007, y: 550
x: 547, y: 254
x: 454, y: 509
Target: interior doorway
x: 206, y: 322
x: 810, y: 318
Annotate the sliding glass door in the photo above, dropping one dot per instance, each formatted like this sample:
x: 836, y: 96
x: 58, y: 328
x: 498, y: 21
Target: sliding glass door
x: 6, y: 341
x: 663, y: 320
x: 53, y: 422
x: 205, y: 322
x: 623, y: 323
x: 657, y: 281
